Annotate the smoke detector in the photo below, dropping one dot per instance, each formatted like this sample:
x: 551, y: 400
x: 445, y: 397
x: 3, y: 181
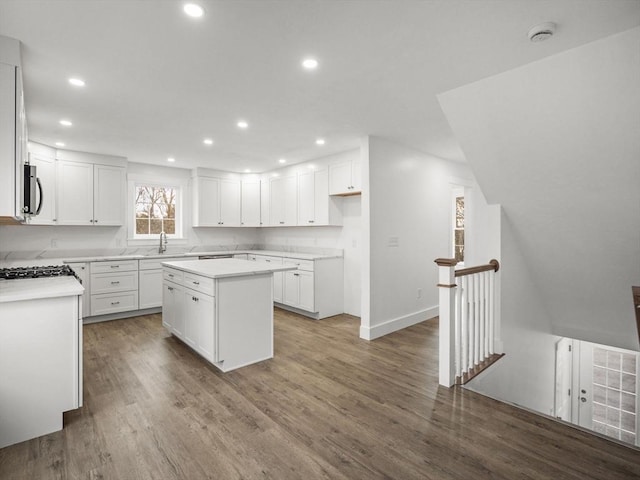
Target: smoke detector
x: 542, y: 32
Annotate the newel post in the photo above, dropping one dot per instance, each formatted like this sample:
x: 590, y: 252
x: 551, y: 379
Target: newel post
x: 447, y: 296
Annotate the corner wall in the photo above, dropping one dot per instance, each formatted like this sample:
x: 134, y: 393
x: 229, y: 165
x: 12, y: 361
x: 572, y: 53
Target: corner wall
x: 407, y: 212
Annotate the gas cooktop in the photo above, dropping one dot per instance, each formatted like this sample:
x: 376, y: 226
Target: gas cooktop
x: 14, y: 273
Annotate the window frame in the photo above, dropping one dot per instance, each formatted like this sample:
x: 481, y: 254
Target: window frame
x: 179, y: 185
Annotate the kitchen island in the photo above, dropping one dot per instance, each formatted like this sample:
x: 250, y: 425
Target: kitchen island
x: 221, y: 308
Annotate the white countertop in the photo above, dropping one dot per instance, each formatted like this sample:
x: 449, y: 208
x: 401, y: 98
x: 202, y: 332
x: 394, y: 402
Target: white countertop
x: 226, y: 267
x: 36, y: 288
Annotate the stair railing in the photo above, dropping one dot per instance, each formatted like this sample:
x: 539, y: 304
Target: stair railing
x: 468, y: 320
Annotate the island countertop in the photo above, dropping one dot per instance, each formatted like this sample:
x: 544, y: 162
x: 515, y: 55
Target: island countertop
x: 226, y: 267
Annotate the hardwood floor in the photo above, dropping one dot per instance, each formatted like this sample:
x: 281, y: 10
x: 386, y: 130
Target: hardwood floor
x: 329, y: 405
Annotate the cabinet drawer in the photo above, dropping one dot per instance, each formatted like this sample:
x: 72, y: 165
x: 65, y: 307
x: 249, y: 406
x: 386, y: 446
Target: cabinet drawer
x: 114, y: 302
x: 114, y: 266
x: 269, y: 259
x: 156, y: 263
x: 199, y: 283
x: 173, y: 275
x: 306, y: 265
x: 113, y: 282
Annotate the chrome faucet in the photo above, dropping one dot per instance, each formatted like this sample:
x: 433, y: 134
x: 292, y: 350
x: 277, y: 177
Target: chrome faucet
x: 163, y: 243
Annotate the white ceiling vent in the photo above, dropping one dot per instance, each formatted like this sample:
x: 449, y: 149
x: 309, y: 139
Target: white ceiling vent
x: 542, y: 32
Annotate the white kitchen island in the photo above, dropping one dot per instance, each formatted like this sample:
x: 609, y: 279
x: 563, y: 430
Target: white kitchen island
x: 221, y: 308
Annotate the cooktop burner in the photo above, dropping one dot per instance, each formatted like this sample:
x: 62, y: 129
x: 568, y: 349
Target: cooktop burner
x: 13, y: 273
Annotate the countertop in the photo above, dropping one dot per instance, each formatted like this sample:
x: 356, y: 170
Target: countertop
x: 226, y: 267
x: 37, y: 288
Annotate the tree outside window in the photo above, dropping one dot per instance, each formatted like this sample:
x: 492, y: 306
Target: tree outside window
x: 458, y: 231
x: 155, y: 209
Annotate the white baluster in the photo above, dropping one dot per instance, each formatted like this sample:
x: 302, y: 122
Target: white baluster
x: 492, y: 316
x: 458, y: 314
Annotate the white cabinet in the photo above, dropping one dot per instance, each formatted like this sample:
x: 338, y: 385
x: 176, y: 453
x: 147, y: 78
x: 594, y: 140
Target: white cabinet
x: 284, y: 202
x: 150, y: 281
x: 299, y: 285
x: 278, y: 277
x: 199, y: 315
x: 89, y: 194
x: 216, y: 202
x: 265, y: 197
x: 345, y: 178
x: 81, y: 269
x: 250, y: 203
x: 315, y: 206
x: 169, y: 303
x: 114, y: 286
x: 46, y: 172
x: 12, y: 132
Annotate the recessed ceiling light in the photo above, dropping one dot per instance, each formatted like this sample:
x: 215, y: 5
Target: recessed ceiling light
x: 193, y: 10
x: 247, y: 170
x: 311, y: 166
x: 242, y: 124
x: 76, y: 82
x: 171, y: 159
x: 66, y: 123
x: 310, y: 63
x: 207, y: 141
x: 320, y: 141
x: 282, y: 160
x: 275, y: 174
x: 59, y: 144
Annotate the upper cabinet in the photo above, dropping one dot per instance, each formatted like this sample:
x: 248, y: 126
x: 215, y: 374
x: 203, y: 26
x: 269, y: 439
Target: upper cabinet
x: 89, y: 194
x: 315, y: 206
x: 216, y: 202
x: 345, y: 178
x: 250, y: 203
x: 13, y: 132
x: 284, y: 202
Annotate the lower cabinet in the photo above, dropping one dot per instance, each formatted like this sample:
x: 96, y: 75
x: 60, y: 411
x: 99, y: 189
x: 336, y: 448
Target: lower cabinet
x: 81, y: 269
x: 298, y: 290
x: 150, y: 288
x: 114, y: 286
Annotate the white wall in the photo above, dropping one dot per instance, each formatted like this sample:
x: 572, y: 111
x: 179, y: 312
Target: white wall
x: 525, y: 375
x: 557, y: 144
x: 408, y: 210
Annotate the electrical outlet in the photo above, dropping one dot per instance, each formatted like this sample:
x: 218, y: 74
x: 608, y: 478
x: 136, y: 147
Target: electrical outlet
x: 393, y: 242
x: 54, y: 242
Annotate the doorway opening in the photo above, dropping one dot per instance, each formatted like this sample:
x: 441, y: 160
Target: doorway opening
x: 597, y: 387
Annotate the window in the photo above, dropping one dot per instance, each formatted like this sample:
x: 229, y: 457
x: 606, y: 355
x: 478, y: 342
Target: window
x: 156, y: 210
x: 458, y: 225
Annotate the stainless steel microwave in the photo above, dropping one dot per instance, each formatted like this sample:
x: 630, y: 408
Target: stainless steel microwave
x: 31, y: 183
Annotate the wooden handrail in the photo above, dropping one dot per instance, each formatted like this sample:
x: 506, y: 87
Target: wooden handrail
x: 492, y: 265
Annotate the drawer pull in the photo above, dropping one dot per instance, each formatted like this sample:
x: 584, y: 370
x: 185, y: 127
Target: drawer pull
x: 115, y: 303
x: 195, y: 299
x: 115, y: 266
x: 115, y: 283
x: 170, y: 275
x: 196, y: 283
x: 170, y: 289
x: 296, y: 274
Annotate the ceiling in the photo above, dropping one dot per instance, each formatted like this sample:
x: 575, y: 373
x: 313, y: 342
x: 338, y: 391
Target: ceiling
x: 159, y: 82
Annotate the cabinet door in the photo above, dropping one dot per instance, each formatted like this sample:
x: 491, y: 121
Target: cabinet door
x: 206, y: 202
x: 306, y: 199
x: 168, y: 306
x: 306, y: 295
x: 276, y: 204
x: 250, y: 203
x: 189, y: 308
x: 356, y: 176
x: 230, y: 203
x: 205, y: 332
x: 46, y: 171
x: 108, y: 195
x: 74, y: 190
x: 179, y: 314
x: 150, y: 288
x: 278, y: 281
x: 264, y: 202
x: 291, y: 288
x: 340, y: 178
x: 321, y: 197
x: 290, y: 200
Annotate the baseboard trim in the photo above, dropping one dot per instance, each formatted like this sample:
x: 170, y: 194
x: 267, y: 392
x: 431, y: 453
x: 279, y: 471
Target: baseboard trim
x: 395, y: 324
x: 120, y: 315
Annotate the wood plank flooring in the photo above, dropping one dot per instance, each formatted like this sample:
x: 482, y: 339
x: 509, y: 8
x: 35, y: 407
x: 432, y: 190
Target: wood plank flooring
x: 328, y: 406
